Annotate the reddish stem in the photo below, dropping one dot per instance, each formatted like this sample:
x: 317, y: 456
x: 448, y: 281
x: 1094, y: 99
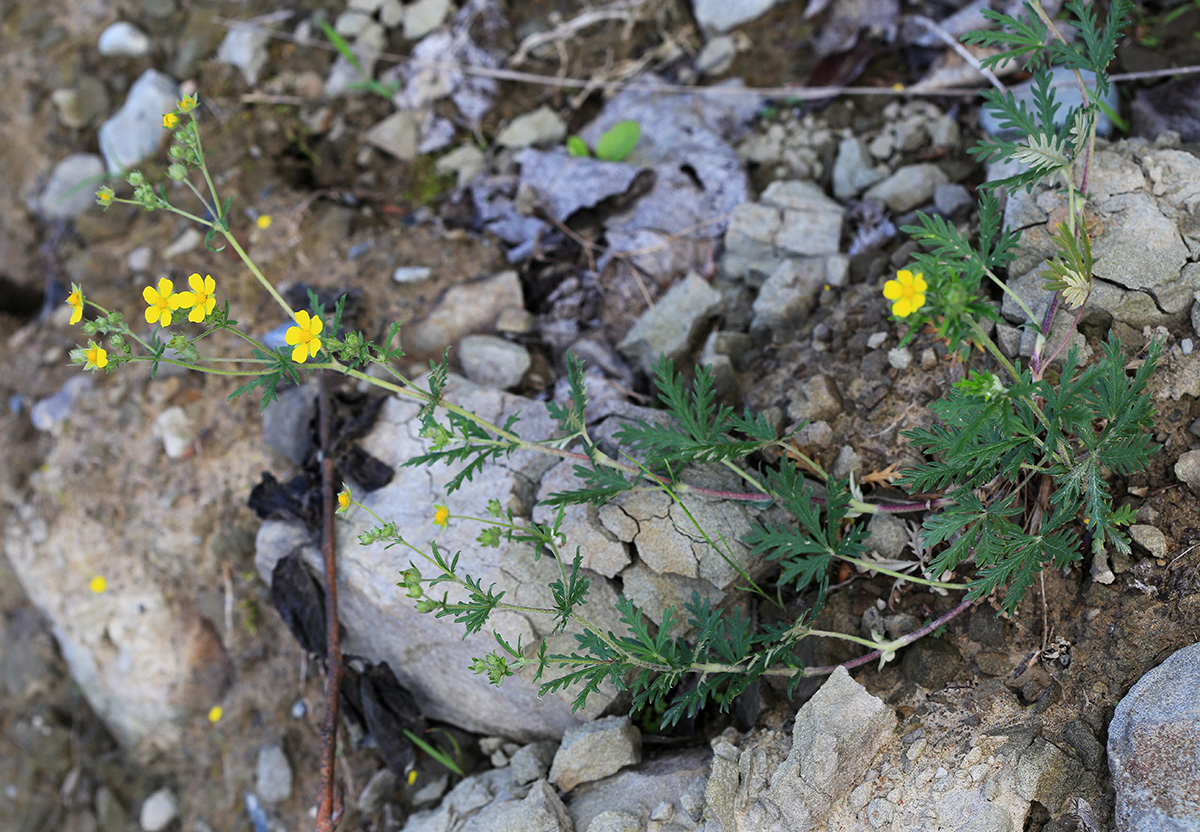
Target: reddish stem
x: 329, y: 803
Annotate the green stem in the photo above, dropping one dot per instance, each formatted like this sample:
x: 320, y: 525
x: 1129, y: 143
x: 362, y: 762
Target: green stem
x: 875, y: 567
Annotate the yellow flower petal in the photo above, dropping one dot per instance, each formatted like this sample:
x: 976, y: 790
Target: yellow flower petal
x: 215, y: 713
x: 98, y: 584
x: 892, y: 290
x: 264, y: 221
x: 441, y: 516
x: 300, y: 354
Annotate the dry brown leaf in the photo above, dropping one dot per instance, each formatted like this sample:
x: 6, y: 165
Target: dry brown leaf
x: 885, y: 477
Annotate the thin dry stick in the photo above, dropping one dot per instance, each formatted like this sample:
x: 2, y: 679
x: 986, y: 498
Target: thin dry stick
x: 329, y: 802
x: 567, y: 29
x: 945, y: 37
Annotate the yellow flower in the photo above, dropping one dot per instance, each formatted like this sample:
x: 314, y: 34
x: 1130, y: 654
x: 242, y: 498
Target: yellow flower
x: 75, y: 301
x: 187, y: 103
x: 441, y: 516
x: 264, y: 221
x: 200, y: 300
x: 97, y: 358
x: 170, y: 120
x: 412, y: 777
x: 104, y: 196
x: 344, y: 500
x: 161, y: 302
x: 907, y: 291
x: 215, y: 713
x: 98, y: 584
x: 303, y: 337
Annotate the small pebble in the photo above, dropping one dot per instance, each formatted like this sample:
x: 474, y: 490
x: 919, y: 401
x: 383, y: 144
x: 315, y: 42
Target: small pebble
x: 411, y: 274
x: 929, y: 360
x: 159, y: 810
x: 899, y: 358
x: 139, y: 259
x: 1186, y: 346
x: 299, y: 709
x: 876, y: 340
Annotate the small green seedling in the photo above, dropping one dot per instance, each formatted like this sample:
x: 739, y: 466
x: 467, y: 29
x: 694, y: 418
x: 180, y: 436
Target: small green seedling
x: 615, y: 144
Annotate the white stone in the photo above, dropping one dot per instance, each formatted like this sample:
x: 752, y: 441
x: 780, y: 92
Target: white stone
x: 412, y: 274
x: 135, y: 131
x: 423, y: 16
x: 123, y: 40
x: 159, y: 810
x: 71, y: 189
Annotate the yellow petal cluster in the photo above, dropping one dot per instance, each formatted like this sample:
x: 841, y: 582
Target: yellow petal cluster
x: 160, y: 302
x: 304, y: 338
x: 200, y: 300
x: 907, y: 292
x: 75, y: 301
x: 441, y: 516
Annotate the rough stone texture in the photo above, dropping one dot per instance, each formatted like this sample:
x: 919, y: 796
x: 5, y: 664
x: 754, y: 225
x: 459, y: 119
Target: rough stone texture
x: 750, y: 251
x: 811, y: 222
x: 399, y: 134
x: 71, y: 189
x: 1154, y: 748
x: 1149, y: 538
x: 790, y: 291
x: 541, y: 126
x: 540, y: 811
x: 723, y: 15
x: 836, y: 736
x: 429, y: 655
x: 1187, y: 469
x: 852, y: 170
x: 467, y: 805
x: 601, y: 549
x: 595, y: 750
x: 889, y: 535
x: 492, y: 361
x: 532, y: 761
x: 135, y: 131
x: 816, y: 399
x: 673, y: 324
x: 1143, y: 237
x: 464, y: 309
x: 909, y: 187
x: 661, y: 778
x: 273, y: 774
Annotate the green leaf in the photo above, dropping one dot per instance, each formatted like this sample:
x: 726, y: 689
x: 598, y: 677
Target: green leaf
x: 577, y: 147
x: 618, y: 141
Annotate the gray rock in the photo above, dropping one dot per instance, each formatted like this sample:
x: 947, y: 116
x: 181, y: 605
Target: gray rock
x: 853, y: 172
x: 50, y: 413
x: 492, y: 361
x: 1154, y: 748
x: 563, y: 184
x: 412, y: 274
x: 750, y: 252
x: 909, y: 187
x: 717, y: 56
x: 391, y: 13
x: 381, y: 788
x: 655, y: 787
x: 423, y: 16
x: 158, y: 810
x: 615, y: 821
x: 847, y: 462
x: 1045, y: 774
x: 1087, y: 747
x: 82, y: 104
x: 788, y: 294
x: 723, y: 15
x: 812, y: 222
x: 273, y: 774
x: 672, y: 325
x: 889, y: 535
x: 465, y: 309
x: 816, y: 399
x: 246, y: 48
x: 1187, y: 469
x: 601, y: 550
x: 836, y: 736
x: 286, y: 424
x: 399, y: 134
x: 29, y: 662
x: 595, y: 750
x: 532, y: 761
x: 952, y: 200
x: 468, y: 804
x: 139, y: 259
x: 465, y: 161
x: 542, y: 126
x: 541, y: 811
x: 135, y: 131
x: 351, y: 22
x: 123, y: 40
x: 429, y: 655
x: 900, y: 358
x: 1149, y: 538
x: 175, y: 430
x: 71, y: 189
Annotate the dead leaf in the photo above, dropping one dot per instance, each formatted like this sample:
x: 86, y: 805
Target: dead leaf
x: 885, y: 477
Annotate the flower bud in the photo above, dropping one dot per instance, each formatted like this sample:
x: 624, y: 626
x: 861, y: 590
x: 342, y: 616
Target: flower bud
x: 177, y: 172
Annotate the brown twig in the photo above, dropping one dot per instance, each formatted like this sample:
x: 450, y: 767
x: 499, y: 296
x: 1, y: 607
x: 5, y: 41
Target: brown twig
x: 329, y: 803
